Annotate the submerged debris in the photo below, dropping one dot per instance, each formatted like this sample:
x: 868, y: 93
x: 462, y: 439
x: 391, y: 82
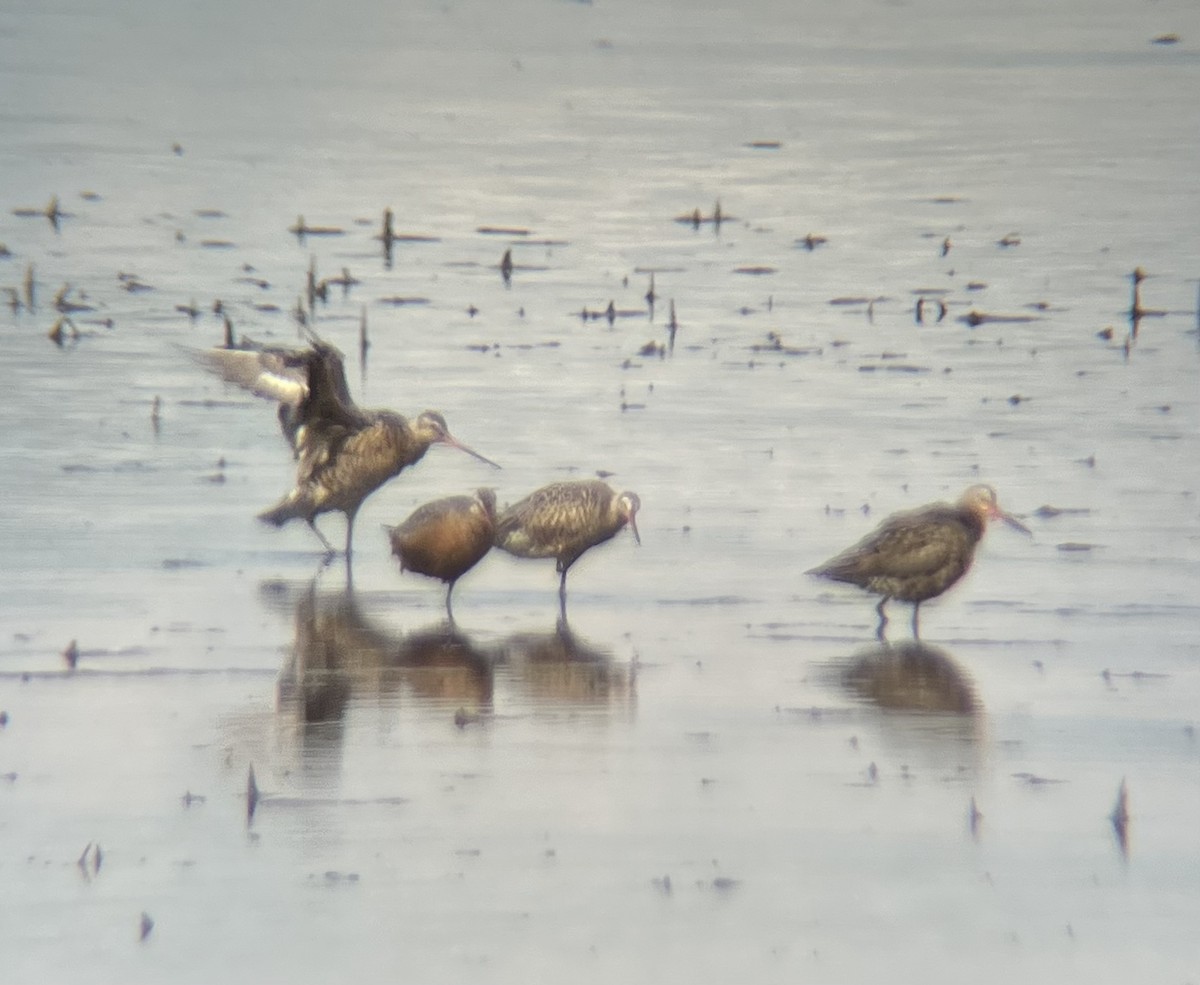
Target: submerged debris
x: 252, y: 795
x: 974, y: 819
x: 1120, y: 818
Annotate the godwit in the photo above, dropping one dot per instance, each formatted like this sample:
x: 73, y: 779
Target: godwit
x: 446, y: 538
x: 917, y: 554
x: 343, y: 452
x: 565, y: 519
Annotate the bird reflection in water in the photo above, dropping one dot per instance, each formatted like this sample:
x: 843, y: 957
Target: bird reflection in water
x: 911, y: 676
x: 561, y: 667
x: 340, y: 653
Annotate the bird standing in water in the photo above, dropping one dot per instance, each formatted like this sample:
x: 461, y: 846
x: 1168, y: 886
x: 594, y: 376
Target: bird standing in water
x: 446, y: 538
x: 917, y: 554
x: 565, y: 519
x: 343, y: 452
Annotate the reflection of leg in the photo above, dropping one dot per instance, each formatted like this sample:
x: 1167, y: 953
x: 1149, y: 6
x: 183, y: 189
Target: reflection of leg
x: 916, y: 620
x: 883, y: 619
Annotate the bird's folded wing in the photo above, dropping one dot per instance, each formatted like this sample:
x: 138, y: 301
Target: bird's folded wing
x: 908, y: 551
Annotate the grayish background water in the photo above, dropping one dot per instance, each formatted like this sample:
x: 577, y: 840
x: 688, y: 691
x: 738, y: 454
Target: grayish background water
x: 714, y: 773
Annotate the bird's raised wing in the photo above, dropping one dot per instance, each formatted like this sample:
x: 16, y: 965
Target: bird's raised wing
x: 272, y: 373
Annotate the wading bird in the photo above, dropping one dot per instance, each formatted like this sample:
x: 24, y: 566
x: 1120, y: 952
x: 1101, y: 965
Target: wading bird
x: 446, y: 538
x: 565, y: 519
x: 343, y: 452
x: 917, y: 554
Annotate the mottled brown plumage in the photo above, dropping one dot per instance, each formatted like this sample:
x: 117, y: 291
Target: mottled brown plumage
x: 917, y: 554
x: 446, y: 538
x: 565, y: 519
x: 343, y: 452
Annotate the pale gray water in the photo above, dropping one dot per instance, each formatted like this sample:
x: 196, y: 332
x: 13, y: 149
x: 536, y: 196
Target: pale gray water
x: 711, y: 715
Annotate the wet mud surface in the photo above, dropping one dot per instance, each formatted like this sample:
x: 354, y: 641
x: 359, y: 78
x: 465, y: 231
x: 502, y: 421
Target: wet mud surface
x: 782, y: 273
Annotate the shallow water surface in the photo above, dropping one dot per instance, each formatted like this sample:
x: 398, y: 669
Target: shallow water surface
x: 710, y: 769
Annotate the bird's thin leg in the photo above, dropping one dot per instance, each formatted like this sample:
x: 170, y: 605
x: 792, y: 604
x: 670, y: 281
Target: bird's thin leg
x: 883, y: 619
x: 350, y: 515
x: 312, y: 523
x: 562, y: 595
x: 916, y: 620
x: 449, y: 609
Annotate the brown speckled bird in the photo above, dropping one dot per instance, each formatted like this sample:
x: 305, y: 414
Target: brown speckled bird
x: 565, y: 519
x: 917, y: 554
x: 343, y: 452
x: 446, y: 538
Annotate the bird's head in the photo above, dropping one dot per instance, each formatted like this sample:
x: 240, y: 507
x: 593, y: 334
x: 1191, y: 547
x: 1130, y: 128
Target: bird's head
x: 981, y: 500
x: 487, y: 499
x: 432, y: 429
x: 628, y: 505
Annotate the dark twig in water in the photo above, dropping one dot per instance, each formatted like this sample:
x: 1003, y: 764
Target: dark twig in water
x: 388, y: 237
x: 364, y: 343
x: 82, y: 861
x: 1120, y: 818
x: 252, y: 795
x: 310, y: 283
x: 1136, y: 310
x: 51, y: 212
x: 62, y: 331
x: 696, y: 218
x: 302, y: 229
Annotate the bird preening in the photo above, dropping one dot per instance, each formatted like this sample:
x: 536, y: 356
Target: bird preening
x: 343, y: 452
x: 446, y: 538
x: 917, y: 554
x: 564, y: 520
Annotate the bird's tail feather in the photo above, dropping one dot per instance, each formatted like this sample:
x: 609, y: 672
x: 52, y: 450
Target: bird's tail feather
x: 288, y: 508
